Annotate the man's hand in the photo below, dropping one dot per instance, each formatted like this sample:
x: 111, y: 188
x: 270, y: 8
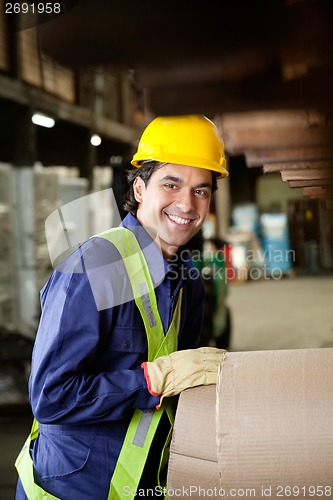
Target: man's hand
x: 169, y: 375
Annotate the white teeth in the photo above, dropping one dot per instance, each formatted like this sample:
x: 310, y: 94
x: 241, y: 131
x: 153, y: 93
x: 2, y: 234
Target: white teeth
x: 179, y: 220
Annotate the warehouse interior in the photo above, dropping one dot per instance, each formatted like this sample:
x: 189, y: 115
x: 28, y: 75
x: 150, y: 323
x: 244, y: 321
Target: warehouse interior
x: 262, y: 71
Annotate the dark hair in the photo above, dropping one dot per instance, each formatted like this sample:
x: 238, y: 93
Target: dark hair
x: 145, y: 171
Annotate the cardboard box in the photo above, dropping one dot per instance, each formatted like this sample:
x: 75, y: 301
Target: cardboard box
x: 4, y: 42
x: 265, y: 429
x: 30, y: 70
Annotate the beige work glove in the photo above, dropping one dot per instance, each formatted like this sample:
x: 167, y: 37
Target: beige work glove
x: 169, y: 375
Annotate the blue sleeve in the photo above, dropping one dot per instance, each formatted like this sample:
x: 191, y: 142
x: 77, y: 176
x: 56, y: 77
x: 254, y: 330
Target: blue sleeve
x: 71, y: 380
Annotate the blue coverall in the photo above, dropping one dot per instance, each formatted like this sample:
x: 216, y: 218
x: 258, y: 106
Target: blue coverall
x: 86, y: 378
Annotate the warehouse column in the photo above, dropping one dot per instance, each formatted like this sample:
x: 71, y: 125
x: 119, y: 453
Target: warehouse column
x: 25, y: 137
x: 87, y: 156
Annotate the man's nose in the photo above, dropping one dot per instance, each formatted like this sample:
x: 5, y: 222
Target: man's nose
x: 185, y: 201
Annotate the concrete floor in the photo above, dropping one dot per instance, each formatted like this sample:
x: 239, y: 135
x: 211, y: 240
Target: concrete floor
x: 290, y: 313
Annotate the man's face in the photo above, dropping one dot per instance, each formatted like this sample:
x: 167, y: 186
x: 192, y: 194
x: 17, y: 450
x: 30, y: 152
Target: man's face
x: 174, y: 204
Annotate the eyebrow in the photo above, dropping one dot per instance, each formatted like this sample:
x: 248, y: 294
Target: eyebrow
x: 173, y: 178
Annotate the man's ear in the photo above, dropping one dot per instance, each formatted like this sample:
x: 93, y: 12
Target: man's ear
x: 138, y: 189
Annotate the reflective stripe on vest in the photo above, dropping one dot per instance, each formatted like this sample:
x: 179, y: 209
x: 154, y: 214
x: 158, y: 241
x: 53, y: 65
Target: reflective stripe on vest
x: 143, y: 425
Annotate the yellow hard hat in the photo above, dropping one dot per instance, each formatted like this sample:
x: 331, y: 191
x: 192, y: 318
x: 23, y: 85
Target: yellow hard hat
x: 191, y: 140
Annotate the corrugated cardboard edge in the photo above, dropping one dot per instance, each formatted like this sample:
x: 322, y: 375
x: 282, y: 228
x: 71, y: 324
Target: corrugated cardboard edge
x: 193, y: 467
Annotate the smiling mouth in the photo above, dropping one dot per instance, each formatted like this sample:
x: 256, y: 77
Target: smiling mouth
x: 179, y: 220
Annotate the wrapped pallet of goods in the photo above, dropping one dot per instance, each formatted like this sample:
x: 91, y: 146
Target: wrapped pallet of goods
x: 7, y: 302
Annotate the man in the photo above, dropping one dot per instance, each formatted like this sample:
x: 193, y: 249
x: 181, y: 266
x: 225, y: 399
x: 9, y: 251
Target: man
x: 120, y: 328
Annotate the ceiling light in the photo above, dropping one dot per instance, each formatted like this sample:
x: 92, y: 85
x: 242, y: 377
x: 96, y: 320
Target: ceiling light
x: 42, y: 120
x: 95, y: 140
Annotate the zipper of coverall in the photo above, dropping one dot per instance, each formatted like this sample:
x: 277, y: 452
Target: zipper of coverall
x: 175, y: 294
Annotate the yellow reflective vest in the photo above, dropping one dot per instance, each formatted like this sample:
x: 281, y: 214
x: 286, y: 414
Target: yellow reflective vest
x: 143, y: 425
